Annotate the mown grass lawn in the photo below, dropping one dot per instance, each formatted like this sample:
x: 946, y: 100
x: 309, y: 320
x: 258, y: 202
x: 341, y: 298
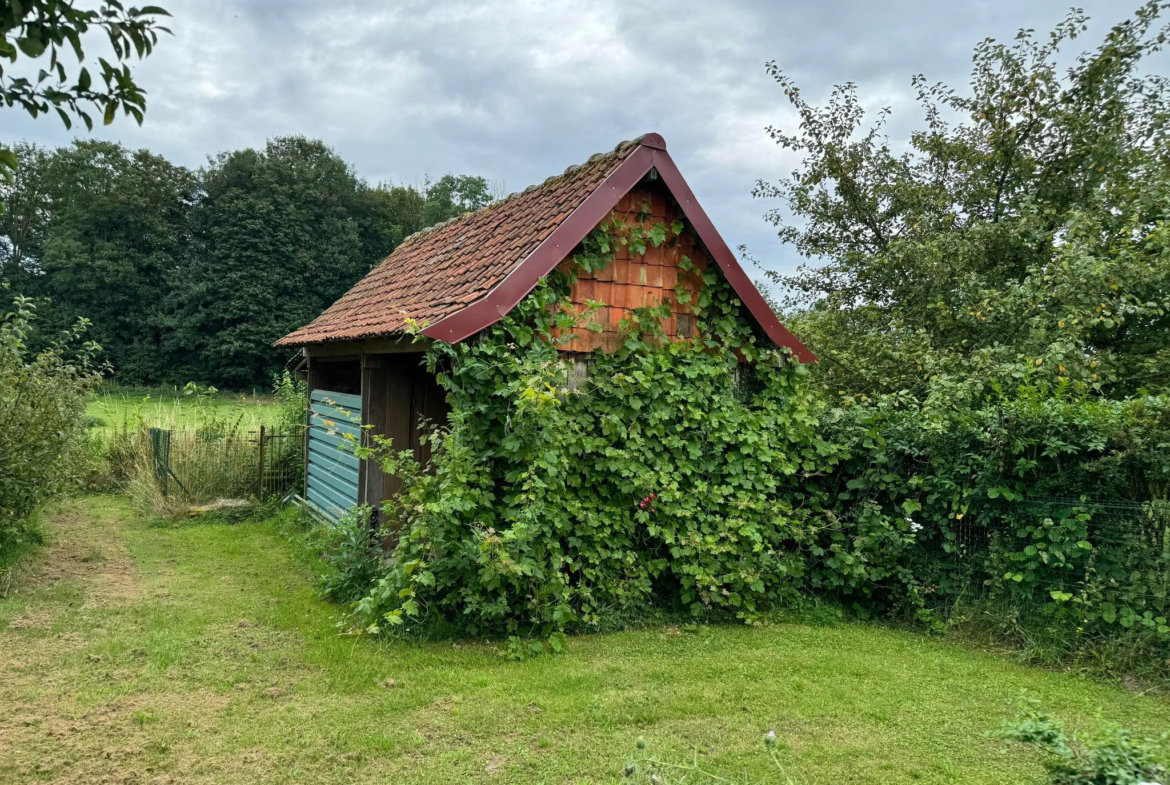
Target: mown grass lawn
x: 200, y: 654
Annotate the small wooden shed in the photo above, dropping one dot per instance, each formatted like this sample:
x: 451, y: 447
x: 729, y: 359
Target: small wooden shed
x: 462, y: 276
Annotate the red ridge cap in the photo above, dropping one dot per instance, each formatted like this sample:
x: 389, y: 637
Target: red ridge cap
x: 653, y: 141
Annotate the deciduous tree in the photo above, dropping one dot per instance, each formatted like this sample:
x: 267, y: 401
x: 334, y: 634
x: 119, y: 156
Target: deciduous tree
x: 96, y: 230
x: 1022, y: 230
x: 277, y: 235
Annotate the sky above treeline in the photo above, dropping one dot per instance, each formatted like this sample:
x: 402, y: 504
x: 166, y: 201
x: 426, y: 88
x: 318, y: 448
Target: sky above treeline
x: 516, y: 91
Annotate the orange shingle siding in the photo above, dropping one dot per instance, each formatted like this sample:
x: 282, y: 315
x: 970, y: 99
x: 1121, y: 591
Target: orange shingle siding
x: 441, y: 270
x: 626, y: 284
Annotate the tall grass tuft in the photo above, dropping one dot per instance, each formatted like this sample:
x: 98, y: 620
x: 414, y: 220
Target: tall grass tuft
x: 199, y: 455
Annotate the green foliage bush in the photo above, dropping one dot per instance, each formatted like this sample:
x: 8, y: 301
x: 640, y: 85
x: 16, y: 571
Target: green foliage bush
x: 1111, y: 756
x: 666, y: 481
x: 349, y: 559
x: 1003, y: 501
x: 990, y: 305
x: 673, y: 476
x: 42, y: 416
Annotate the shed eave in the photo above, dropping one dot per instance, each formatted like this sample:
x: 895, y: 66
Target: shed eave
x: 375, y: 343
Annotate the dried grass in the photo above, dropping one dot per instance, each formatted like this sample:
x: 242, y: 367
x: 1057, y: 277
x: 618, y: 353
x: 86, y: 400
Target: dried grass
x: 206, y: 467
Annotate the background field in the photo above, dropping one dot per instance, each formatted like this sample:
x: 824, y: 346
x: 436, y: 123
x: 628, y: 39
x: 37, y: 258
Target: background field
x: 201, y: 654
x: 114, y: 408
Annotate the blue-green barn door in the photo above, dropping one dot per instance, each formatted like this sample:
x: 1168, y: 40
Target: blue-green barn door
x: 331, y: 479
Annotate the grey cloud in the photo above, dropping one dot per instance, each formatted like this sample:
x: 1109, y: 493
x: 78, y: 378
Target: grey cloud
x: 517, y: 90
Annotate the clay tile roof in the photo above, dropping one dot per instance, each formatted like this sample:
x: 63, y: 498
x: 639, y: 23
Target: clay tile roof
x: 461, y: 276
x: 439, y: 271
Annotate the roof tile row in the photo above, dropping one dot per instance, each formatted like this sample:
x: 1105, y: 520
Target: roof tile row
x: 437, y: 272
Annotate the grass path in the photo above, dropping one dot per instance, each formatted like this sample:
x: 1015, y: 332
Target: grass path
x: 200, y: 655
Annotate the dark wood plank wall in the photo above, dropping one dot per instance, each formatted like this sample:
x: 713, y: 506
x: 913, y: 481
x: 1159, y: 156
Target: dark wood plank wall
x: 339, y: 374
x: 400, y: 398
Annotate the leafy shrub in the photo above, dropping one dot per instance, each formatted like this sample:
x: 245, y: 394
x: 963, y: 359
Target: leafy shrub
x: 886, y: 504
x: 350, y: 560
x: 675, y: 475
x: 976, y: 298
x: 1111, y: 756
x: 1003, y: 497
x: 42, y: 416
x: 550, y: 508
x: 14, y: 553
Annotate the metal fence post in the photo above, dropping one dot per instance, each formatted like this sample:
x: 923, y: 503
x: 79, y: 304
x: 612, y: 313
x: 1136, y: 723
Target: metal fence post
x: 260, y: 478
x: 160, y: 441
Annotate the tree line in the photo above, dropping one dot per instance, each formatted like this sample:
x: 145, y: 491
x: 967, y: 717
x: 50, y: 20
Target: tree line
x: 192, y: 274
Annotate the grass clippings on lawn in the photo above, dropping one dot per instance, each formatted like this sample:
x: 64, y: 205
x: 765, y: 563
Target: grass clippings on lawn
x: 219, y: 664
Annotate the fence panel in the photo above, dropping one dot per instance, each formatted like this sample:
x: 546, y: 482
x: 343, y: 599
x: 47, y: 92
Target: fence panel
x: 204, y: 466
x: 1113, y: 551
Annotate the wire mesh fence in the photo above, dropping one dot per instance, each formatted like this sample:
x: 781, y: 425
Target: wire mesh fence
x: 195, y: 466
x: 1110, y: 555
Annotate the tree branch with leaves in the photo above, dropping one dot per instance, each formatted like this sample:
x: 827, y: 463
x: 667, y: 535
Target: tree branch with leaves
x: 46, y: 31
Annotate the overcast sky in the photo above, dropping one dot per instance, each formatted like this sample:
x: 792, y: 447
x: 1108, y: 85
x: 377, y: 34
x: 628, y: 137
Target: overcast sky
x: 516, y: 91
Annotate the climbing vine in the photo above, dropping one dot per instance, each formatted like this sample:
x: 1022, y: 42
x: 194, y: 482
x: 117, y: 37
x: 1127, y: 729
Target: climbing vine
x: 677, y: 474
x: 696, y: 475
